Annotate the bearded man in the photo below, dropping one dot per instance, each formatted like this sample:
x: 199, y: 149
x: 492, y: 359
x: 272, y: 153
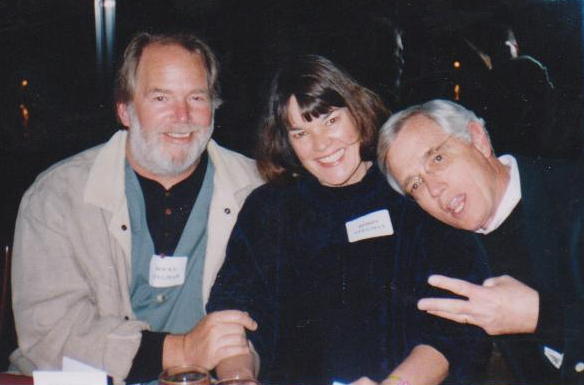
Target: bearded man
x: 116, y: 248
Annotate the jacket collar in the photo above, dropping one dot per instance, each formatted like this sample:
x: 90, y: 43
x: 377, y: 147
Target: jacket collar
x: 105, y: 186
x: 229, y: 174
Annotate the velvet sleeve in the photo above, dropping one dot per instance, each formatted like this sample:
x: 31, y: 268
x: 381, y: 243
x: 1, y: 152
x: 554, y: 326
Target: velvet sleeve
x: 572, y: 306
x: 455, y: 254
x: 550, y: 320
x: 245, y: 281
x: 573, y: 364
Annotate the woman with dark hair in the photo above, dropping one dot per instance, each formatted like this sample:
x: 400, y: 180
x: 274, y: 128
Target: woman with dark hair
x: 329, y: 260
x: 310, y: 89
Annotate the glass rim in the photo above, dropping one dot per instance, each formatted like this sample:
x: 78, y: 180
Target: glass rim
x: 173, y: 370
x: 236, y: 378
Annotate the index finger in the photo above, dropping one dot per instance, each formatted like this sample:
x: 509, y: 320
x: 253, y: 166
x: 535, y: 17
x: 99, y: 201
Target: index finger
x: 454, y: 285
x: 444, y: 305
x: 235, y: 316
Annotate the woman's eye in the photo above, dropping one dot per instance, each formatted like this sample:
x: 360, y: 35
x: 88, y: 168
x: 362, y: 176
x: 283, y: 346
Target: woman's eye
x: 331, y: 121
x: 298, y: 134
x: 438, y: 158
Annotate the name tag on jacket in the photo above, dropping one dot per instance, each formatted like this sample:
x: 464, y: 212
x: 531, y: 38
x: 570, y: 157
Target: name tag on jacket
x: 372, y: 225
x: 167, y: 271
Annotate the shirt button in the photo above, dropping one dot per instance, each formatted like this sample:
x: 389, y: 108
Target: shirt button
x: 160, y: 298
x: 167, y: 211
x: 227, y: 210
x: 167, y: 193
x: 579, y: 367
x: 124, y: 227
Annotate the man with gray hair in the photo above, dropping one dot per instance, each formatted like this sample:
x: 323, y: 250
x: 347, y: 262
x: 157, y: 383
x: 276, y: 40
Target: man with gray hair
x: 528, y: 214
x: 116, y: 248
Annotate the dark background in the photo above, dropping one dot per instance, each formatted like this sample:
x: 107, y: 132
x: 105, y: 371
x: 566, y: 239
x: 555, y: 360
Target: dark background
x: 51, y: 44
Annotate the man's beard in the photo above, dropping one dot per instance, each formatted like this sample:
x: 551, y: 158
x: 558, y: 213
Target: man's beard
x: 148, y: 150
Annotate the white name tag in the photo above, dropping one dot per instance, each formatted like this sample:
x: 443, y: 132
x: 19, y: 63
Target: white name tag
x: 372, y: 225
x: 167, y: 271
x: 41, y: 377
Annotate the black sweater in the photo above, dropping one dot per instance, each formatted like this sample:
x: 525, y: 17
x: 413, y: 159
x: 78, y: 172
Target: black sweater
x: 329, y: 309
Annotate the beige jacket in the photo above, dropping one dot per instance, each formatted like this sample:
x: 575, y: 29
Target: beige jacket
x: 71, y: 260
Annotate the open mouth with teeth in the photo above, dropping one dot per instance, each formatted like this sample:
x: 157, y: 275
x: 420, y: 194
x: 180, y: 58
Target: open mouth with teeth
x: 456, y: 204
x: 178, y: 135
x: 332, y: 159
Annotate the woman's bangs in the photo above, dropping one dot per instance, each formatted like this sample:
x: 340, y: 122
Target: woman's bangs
x: 311, y: 107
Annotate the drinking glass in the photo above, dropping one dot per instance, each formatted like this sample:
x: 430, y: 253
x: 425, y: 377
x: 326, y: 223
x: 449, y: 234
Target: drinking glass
x: 185, y: 375
x: 237, y: 381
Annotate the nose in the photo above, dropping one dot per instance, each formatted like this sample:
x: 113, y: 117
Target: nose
x: 182, y: 111
x: 435, y: 187
x: 320, y: 140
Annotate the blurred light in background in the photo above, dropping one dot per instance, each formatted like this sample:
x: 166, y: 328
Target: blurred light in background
x: 105, y: 25
x: 457, y: 92
x: 24, y: 114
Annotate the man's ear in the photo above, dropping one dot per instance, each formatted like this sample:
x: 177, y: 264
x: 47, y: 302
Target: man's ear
x: 123, y: 115
x: 480, y: 139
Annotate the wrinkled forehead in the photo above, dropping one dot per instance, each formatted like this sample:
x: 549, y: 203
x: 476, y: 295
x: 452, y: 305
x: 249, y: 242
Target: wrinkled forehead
x: 160, y: 61
x: 417, y: 138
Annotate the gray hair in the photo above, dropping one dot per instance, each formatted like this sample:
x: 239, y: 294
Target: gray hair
x: 126, y: 77
x: 453, y: 118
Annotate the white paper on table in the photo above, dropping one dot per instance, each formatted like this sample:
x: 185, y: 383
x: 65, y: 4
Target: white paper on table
x: 46, y: 377
x: 72, y: 365
x: 73, y: 373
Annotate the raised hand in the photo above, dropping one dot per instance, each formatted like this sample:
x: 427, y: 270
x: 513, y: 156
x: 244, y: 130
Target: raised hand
x: 501, y: 305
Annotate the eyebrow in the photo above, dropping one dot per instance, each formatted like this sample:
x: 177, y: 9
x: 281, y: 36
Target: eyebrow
x: 158, y: 90
x: 321, y: 116
x: 167, y: 91
x: 429, y: 152
x: 426, y: 155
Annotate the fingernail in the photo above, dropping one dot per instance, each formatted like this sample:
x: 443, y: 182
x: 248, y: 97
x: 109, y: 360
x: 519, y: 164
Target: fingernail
x: 432, y: 279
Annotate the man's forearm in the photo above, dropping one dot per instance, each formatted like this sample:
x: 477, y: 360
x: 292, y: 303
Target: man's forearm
x: 423, y: 366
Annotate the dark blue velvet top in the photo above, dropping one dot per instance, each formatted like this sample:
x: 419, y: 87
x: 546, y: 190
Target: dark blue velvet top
x: 329, y: 309
x: 542, y: 244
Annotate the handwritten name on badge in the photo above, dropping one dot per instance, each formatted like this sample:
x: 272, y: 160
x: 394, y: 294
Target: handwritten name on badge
x: 372, y: 225
x: 167, y: 271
